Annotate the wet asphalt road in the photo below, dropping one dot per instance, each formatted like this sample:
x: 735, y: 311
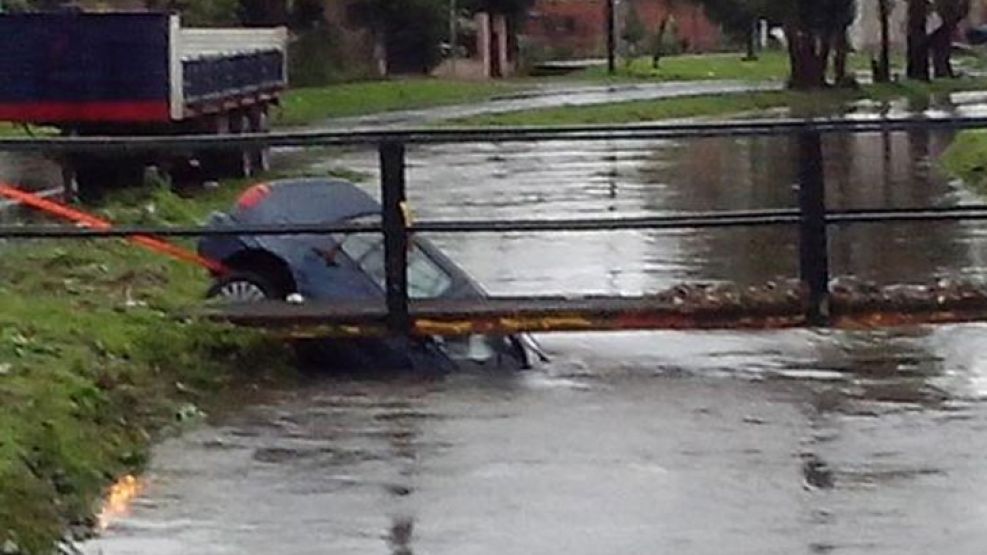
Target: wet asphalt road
x: 802, y: 441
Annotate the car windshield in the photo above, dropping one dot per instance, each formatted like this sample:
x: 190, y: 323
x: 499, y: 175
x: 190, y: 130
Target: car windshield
x: 426, y: 279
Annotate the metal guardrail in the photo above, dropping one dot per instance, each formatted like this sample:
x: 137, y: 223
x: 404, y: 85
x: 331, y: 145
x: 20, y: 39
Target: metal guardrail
x: 357, y: 136
x: 697, y: 220
x: 811, y: 217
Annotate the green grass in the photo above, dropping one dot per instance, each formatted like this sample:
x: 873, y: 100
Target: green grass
x: 966, y: 158
x: 96, y: 359
x: 696, y: 67
x: 770, y: 65
x: 17, y: 130
x: 817, y: 103
x: 311, y: 105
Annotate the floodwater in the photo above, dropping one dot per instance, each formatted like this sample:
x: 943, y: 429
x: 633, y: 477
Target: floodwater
x: 799, y: 441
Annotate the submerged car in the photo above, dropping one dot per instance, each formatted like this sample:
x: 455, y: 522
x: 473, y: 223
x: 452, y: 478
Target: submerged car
x: 344, y: 267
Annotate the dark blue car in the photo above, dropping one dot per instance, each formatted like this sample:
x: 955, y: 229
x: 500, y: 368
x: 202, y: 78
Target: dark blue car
x: 344, y: 267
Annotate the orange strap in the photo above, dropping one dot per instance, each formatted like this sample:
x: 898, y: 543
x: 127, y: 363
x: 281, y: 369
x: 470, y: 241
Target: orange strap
x: 93, y: 222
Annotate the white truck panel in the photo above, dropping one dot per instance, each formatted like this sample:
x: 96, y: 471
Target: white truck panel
x: 192, y: 44
x: 195, y: 43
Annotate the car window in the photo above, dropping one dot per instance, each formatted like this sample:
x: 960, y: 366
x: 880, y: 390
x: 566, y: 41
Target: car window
x: 426, y: 279
x: 357, y: 245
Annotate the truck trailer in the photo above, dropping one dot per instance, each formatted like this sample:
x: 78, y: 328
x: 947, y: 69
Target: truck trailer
x: 140, y: 73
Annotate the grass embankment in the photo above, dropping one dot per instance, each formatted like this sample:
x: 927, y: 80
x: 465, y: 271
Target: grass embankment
x: 814, y: 103
x: 966, y: 158
x: 312, y: 105
x: 96, y: 359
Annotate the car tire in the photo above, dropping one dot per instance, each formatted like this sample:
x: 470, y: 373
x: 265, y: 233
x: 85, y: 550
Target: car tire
x: 244, y: 287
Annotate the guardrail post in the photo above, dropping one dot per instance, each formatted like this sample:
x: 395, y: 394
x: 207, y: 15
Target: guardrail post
x: 392, y: 186
x: 813, y: 242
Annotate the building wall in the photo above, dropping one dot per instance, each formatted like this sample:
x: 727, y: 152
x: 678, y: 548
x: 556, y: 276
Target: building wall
x: 577, y: 28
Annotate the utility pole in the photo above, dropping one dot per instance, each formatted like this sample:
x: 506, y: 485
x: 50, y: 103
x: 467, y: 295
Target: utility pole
x: 611, y: 40
x: 452, y: 34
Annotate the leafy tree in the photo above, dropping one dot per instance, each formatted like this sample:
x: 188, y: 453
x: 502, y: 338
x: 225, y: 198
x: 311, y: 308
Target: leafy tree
x: 815, y: 29
x: 634, y: 31
x: 407, y: 33
x: 922, y: 45
x: 202, y: 13
x: 951, y: 13
x: 512, y: 8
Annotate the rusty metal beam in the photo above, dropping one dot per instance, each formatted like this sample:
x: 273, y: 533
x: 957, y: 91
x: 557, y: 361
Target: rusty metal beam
x: 509, y: 315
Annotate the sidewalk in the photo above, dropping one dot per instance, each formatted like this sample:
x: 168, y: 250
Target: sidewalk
x: 553, y: 95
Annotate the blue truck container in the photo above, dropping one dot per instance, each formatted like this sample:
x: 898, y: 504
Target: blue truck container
x: 140, y: 73
x: 76, y: 68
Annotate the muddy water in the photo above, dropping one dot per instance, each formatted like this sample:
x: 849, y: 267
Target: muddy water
x: 785, y: 442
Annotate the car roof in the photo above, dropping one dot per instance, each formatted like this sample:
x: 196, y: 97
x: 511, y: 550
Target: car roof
x: 304, y: 201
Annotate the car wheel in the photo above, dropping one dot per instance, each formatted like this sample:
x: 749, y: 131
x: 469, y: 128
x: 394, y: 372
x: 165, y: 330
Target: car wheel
x: 243, y: 287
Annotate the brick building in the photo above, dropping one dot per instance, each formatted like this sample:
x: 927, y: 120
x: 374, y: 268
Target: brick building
x: 577, y: 28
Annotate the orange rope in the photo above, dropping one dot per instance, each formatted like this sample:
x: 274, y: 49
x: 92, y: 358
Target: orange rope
x: 90, y: 221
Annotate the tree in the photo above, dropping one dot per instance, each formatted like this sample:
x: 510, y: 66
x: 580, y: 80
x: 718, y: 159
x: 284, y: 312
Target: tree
x: 815, y: 29
x: 634, y: 31
x: 918, y: 46
x: 407, y: 33
x: 938, y: 44
x: 263, y: 13
x: 882, y: 69
x: 951, y: 13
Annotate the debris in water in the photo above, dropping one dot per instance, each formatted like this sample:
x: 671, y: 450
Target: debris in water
x: 816, y: 472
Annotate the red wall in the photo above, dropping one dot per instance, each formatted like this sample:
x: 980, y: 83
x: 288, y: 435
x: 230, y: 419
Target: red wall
x: 578, y: 28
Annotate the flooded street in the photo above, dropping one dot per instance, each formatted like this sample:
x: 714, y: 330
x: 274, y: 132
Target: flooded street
x: 801, y: 441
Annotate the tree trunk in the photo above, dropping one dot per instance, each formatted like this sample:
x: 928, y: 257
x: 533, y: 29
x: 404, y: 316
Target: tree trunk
x: 380, y: 52
x: 751, y: 41
x: 918, y: 44
x: 940, y: 42
x: 882, y: 73
x: 806, y: 53
x: 821, y: 49
x: 840, y: 77
x: 659, y: 44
